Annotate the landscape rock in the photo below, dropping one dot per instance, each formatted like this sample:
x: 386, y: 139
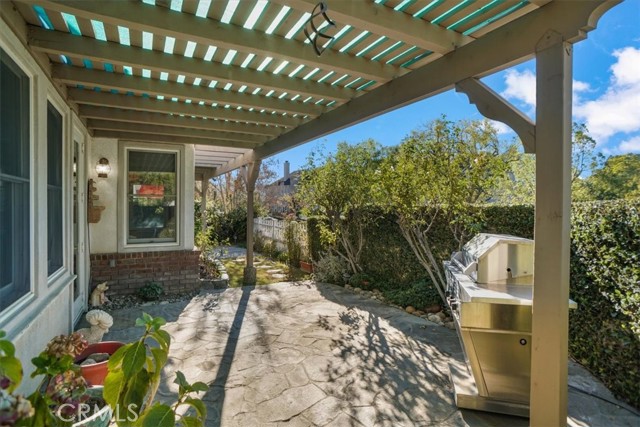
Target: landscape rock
x: 410, y: 309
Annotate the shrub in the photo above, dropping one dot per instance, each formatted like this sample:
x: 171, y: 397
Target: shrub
x: 293, y: 244
x: 420, y: 294
x: 360, y: 280
x: 151, y: 291
x: 330, y: 269
x: 604, y: 331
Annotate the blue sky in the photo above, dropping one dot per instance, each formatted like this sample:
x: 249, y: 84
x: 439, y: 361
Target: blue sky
x: 606, y: 72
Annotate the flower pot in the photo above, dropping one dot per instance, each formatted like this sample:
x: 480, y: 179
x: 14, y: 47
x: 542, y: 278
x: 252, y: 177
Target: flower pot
x: 307, y: 267
x: 101, y: 418
x: 95, y: 373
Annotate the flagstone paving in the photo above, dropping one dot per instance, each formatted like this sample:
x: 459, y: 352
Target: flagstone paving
x: 306, y: 354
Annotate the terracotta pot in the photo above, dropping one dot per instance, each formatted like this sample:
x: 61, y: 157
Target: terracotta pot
x: 306, y: 267
x: 95, y: 373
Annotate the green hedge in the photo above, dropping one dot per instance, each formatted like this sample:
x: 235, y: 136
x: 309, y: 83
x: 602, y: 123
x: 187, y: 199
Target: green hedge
x: 604, y: 332
x: 605, y: 279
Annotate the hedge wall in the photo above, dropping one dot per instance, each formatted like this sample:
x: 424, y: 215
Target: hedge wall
x: 604, y: 331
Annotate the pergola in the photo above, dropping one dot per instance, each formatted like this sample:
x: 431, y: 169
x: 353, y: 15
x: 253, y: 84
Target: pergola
x: 242, y: 81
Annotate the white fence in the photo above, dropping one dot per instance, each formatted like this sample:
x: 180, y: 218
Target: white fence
x: 274, y: 229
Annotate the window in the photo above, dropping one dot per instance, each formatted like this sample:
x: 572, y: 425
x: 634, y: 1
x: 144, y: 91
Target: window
x: 54, y: 190
x: 15, y: 278
x: 151, y: 193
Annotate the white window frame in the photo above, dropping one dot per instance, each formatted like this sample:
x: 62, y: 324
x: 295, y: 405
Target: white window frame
x: 23, y: 62
x: 123, y: 205
x: 57, y: 103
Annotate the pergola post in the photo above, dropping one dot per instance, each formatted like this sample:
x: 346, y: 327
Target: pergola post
x: 250, y: 175
x: 549, y: 350
x: 203, y: 201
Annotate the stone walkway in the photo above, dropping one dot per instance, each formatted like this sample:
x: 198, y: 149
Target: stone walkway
x: 301, y: 354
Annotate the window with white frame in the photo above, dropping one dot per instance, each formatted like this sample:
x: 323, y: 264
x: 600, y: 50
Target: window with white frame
x: 54, y: 190
x: 152, y: 200
x: 15, y: 250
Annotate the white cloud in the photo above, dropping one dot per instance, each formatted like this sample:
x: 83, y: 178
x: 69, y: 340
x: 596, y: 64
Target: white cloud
x: 616, y: 110
x: 630, y: 145
x: 521, y: 86
x: 500, y: 127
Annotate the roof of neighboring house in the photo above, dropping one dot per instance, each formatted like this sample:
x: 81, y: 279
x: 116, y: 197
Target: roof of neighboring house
x: 294, y: 177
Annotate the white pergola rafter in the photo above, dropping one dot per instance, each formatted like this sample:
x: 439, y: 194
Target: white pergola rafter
x: 140, y: 103
x: 170, y: 139
x: 165, y: 22
x: 175, y: 131
x: 570, y: 19
x: 382, y: 20
x: 159, y: 119
x: 57, y: 42
x: 94, y: 78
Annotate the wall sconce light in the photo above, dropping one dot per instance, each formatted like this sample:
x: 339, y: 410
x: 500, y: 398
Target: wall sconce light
x: 103, y: 168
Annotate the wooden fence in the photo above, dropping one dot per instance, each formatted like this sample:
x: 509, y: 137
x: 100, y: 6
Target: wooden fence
x: 274, y: 229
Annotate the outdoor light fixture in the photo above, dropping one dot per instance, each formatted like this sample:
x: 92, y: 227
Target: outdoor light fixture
x: 103, y: 168
x: 320, y: 10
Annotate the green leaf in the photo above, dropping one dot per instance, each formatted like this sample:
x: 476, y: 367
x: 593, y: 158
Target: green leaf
x: 115, y: 361
x: 135, y: 391
x: 158, y: 416
x: 181, y: 380
x: 11, y: 368
x: 114, y: 384
x: 198, y: 405
x: 160, y: 356
x: 134, y: 359
x: 165, y: 337
x: 199, y: 386
x: 7, y: 347
x: 157, y: 323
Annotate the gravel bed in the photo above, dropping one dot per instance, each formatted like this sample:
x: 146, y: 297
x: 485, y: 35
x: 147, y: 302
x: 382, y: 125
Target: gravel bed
x: 119, y: 302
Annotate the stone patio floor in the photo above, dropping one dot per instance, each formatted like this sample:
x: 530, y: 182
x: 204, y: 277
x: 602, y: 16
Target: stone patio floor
x: 306, y: 354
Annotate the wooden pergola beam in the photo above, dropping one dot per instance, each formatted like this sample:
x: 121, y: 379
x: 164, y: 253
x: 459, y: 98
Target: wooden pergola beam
x: 171, y: 139
x: 382, y: 20
x: 175, y: 131
x: 140, y: 103
x: 158, y: 119
x: 57, y: 42
x: 165, y: 22
x: 95, y: 78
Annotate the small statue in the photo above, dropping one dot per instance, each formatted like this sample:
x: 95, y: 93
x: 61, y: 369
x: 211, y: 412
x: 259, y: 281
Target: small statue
x: 98, y: 296
x: 100, y: 322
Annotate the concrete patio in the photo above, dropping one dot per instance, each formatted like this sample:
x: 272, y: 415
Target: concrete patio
x: 304, y: 354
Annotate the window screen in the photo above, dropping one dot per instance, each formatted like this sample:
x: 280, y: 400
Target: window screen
x: 15, y: 247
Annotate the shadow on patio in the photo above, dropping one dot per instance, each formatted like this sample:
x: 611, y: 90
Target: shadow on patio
x: 302, y: 354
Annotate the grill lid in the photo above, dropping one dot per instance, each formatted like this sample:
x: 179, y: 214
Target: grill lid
x: 491, y: 258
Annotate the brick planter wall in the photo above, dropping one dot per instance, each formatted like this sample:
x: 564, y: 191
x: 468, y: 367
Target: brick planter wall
x: 178, y: 271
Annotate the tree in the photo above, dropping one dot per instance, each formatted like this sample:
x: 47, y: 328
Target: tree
x: 337, y: 188
x: 439, y: 171
x: 619, y: 178
x: 518, y: 185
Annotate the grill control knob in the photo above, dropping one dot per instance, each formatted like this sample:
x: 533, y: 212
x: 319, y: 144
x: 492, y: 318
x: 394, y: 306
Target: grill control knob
x: 523, y: 341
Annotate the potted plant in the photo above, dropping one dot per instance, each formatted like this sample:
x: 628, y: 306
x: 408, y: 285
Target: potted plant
x: 63, y: 391
x: 94, y: 373
x: 128, y: 394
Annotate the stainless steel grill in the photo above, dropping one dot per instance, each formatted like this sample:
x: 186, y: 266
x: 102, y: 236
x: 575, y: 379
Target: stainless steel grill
x: 490, y: 291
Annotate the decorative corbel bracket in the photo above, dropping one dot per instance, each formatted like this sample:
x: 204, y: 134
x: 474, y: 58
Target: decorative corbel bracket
x: 495, y: 107
x: 93, y: 212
